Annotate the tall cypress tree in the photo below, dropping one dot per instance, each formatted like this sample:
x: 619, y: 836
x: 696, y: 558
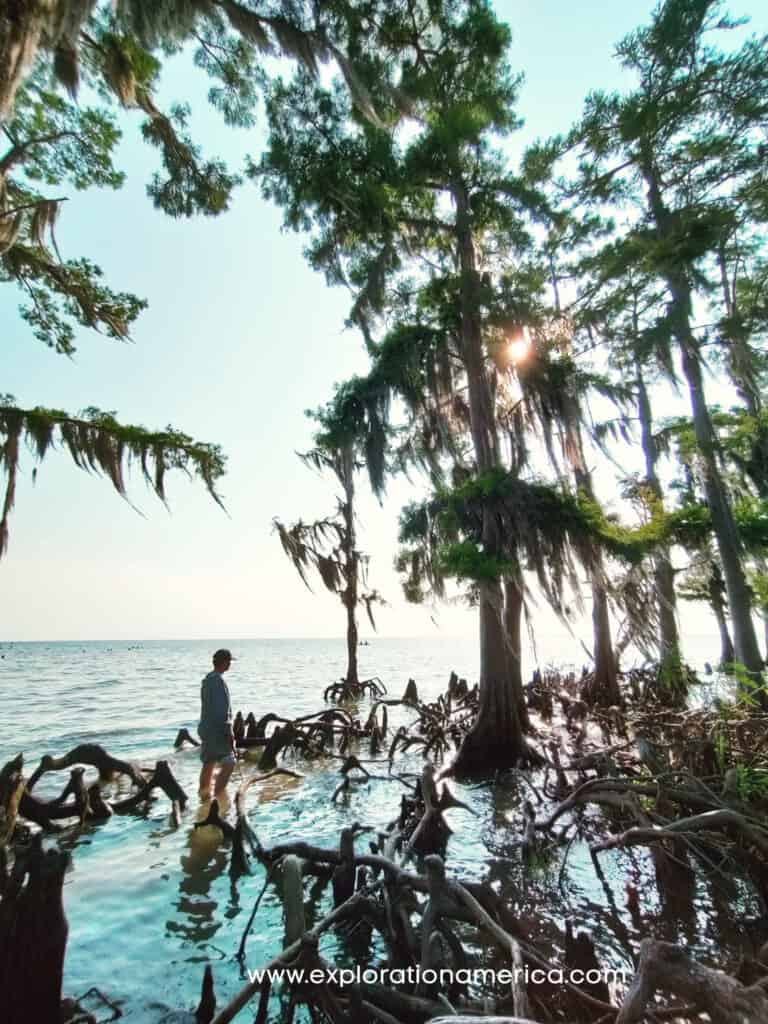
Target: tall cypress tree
x: 407, y: 216
x: 686, y: 143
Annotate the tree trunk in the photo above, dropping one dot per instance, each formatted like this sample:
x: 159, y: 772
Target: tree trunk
x: 33, y: 939
x: 716, y: 588
x: 496, y: 738
x: 723, y: 523
x: 352, y: 677
x: 351, y: 563
x: 513, y: 628
x: 603, y: 687
x: 670, y: 657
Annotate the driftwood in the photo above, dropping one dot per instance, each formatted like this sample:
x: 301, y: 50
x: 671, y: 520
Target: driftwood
x: 664, y: 966
x: 74, y: 1012
x: 161, y: 778
x: 411, y: 694
x: 432, y: 943
x: 606, y: 791
x: 432, y: 831
x: 293, y: 900
x: 281, y: 738
x: 447, y: 901
x: 245, y: 842
x: 345, y: 873
x: 408, y: 1007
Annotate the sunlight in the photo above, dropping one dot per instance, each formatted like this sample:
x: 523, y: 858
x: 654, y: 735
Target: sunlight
x: 520, y: 346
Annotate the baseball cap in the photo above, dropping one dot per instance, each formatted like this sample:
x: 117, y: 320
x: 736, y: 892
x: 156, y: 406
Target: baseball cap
x: 223, y: 655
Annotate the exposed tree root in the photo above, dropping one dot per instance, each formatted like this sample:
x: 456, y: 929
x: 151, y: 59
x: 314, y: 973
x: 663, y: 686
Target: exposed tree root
x: 346, y: 692
x: 724, y: 819
x: 666, y: 967
x: 184, y: 736
x: 420, y: 916
x: 88, y: 754
x: 86, y: 804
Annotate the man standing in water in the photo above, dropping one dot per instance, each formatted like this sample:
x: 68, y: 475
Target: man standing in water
x: 215, y: 729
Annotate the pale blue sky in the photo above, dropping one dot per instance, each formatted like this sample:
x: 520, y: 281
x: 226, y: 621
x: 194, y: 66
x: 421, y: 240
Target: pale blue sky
x: 239, y: 339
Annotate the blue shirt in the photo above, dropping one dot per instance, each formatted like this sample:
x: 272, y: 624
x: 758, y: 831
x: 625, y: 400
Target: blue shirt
x: 215, y: 708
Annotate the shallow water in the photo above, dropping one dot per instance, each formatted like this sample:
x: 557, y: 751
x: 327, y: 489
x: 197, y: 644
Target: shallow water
x: 148, y: 904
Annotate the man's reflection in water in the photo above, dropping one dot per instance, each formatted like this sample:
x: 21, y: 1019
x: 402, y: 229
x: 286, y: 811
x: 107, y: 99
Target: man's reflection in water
x: 206, y: 859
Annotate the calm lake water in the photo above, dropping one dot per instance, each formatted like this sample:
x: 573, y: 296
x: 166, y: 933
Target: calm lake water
x: 148, y: 906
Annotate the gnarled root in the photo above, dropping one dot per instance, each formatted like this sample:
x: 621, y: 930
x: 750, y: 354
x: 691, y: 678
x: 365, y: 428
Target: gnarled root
x: 665, y: 966
x: 91, y: 754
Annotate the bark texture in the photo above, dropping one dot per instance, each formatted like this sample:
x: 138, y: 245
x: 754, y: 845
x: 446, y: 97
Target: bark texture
x: 496, y: 738
x: 665, y: 967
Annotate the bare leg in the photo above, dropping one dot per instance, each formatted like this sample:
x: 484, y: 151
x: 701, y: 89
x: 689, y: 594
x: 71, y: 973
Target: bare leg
x: 206, y: 778
x: 222, y: 778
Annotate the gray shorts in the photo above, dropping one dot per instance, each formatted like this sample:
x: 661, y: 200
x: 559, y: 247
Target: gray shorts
x: 216, y: 750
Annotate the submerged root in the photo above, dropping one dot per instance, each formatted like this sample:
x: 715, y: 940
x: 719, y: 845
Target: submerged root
x: 348, y: 691
x: 395, y: 894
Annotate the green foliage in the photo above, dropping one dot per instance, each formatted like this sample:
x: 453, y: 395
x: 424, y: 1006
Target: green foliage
x: 691, y: 524
x: 551, y: 509
x: 751, y: 688
x: 116, y: 55
x: 722, y: 748
x: 357, y: 417
x: 66, y: 293
x: 56, y: 141
x: 465, y: 561
x: 675, y: 679
x: 752, y: 783
x: 55, y: 144
x: 188, y: 185
x: 759, y: 583
x: 98, y: 442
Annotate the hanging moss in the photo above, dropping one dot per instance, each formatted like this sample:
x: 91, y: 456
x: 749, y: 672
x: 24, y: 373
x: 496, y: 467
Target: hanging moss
x: 97, y: 442
x: 542, y: 527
